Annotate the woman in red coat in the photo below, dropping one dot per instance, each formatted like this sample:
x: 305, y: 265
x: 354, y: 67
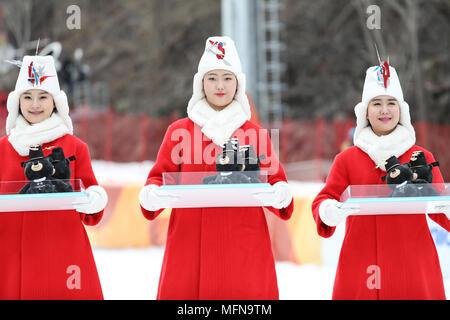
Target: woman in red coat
x: 46, y: 254
x: 382, y: 256
x: 216, y: 253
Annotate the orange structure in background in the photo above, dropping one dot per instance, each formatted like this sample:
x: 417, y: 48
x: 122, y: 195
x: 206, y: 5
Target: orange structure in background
x: 255, y: 115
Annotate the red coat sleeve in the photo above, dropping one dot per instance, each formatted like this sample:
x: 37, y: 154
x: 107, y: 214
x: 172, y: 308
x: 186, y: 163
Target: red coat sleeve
x: 336, y: 183
x: 83, y: 171
x: 164, y: 163
x: 439, y: 218
x: 275, y: 174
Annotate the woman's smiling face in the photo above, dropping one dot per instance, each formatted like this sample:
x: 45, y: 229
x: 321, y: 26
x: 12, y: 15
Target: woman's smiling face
x: 36, y: 105
x: 219, y: 87
x: 383, y: 114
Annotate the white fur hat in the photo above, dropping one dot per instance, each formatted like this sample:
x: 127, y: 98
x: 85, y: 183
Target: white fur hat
x: 220, y: 53
x: 381, y: 80
x: 37, y: 72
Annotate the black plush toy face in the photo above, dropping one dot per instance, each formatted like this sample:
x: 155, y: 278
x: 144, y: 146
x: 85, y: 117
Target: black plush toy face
x: 251, y: 159
x: 424, y: 173
x: 229, y: 161
x: 399, y: 174
x: 252, y: 165
x: 40, y: 168
x: 62, y: 169
x: 421, y: 169
x: 61, y: 164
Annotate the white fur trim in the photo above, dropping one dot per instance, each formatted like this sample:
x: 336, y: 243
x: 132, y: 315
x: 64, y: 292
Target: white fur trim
x: 218, y: 125
x: 61, y: 105
x: 240, y: 96
x: 24, y: 135
x: 405, y: 118
x: 380, y: 148
x: 12, y: 105
x: 362, y: 122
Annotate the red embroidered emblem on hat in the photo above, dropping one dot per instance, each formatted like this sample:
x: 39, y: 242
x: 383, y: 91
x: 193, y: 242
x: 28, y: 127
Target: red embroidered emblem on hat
x: 34, y: 76
x: 220, y: 53
x: 386, y: 72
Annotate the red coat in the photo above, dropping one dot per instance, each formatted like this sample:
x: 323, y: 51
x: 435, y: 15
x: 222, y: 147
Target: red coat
x: 44, y: 254
x: 382, y: 256
x: 215, y: 253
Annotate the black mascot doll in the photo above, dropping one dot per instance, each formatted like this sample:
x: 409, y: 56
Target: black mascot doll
x: 422, y: 170
x: 61, y: 164
x: 39, y: 170
x: 399, y: 178
x: 230, y: 165
x: 422, y: 173
x: 251, y: 163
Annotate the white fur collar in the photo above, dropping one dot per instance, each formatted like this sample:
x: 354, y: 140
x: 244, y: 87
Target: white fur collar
x: 380, y: 148
x: 24, y: 135
x: 218, y: 125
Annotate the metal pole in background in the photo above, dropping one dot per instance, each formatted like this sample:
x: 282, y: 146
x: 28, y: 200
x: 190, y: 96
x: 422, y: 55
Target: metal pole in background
x: 238, y: 22
x: 254, y: 25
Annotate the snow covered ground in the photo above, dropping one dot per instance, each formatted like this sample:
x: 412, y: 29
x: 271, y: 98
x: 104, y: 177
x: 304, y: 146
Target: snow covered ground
x: 133, y: 273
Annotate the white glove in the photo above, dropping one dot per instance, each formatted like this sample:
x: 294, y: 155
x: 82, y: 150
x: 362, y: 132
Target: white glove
x: 279, y: 198
x: 445, y: 209
x: 332, y: 214
x: 95, y: 201
x: 152, y: 198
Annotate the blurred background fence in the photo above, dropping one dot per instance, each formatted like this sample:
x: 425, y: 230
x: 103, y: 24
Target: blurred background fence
x: 306, y: 147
